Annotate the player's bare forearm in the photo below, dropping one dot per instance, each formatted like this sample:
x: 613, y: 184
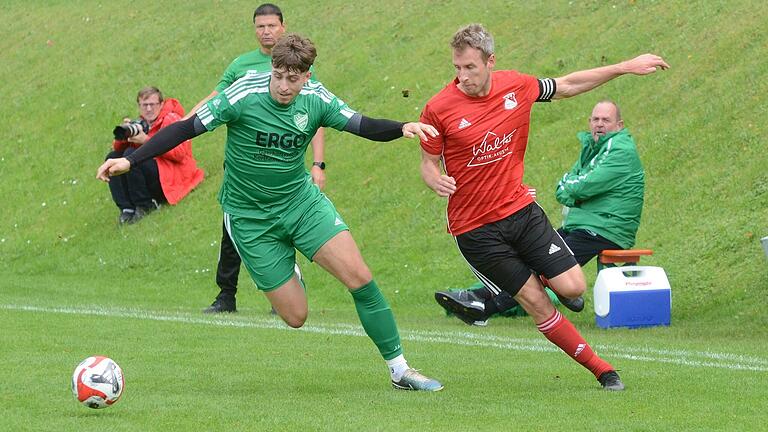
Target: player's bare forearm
x: 583, y: 81
x: 318, y: 146
x: 433, y: 177
x: 318, y: 156
x: 318, y: 176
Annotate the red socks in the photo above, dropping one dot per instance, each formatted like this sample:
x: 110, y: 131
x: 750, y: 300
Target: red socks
x: 562, y: 333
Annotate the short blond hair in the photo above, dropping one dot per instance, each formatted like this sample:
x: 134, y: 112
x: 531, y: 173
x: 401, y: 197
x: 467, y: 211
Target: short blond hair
x: 473, y: 36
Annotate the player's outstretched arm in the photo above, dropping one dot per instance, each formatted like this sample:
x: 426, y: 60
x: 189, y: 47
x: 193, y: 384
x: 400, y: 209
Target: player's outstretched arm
x: 164, y: 140
x: 432, y: 175
x: 387, y: 130
x: 583, y: 81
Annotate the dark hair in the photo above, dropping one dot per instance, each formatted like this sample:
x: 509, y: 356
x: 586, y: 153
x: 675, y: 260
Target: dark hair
x: 268, y: 9
x: 147, y: 92
x: 294, y: 53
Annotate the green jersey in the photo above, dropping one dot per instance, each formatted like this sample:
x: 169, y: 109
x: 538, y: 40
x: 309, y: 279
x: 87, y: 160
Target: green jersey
x: 266, y: 141
x: 604, y: 189
x: 251, y: 61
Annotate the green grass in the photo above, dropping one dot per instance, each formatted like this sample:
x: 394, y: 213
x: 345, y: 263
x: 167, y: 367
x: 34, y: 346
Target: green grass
x: 185, y: 371
x: 70, y: 70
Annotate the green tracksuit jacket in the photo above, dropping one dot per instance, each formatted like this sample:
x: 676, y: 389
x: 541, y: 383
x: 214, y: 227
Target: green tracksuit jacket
x: 604, y: 189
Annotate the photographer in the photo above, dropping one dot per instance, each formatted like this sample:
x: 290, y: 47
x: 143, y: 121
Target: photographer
x: 165, y: 178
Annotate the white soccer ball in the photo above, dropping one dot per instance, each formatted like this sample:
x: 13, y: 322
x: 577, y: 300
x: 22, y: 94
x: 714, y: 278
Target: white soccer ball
x: 97, y: 382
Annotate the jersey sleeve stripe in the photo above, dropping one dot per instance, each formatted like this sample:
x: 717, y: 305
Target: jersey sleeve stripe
x: 347, y: 112
x: 547, y: 89
x: 318, y: 89
x: 324, y: 97
x: 249, y: 79
x: 245, y: 92
x: 250, y: 83
x: 204, y: 114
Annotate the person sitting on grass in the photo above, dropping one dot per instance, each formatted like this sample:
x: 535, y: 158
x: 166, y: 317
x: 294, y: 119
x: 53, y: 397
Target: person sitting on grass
x: 166, y: 178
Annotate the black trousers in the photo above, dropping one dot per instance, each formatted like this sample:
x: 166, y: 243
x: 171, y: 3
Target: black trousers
x: 228, y: 269
x: 138, y: 187
x: 585, y: 244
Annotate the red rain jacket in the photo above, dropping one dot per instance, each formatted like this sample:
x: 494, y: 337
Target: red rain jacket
x: 178, y: 169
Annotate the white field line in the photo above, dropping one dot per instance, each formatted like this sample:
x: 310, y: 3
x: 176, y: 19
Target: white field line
x: 696, y: 359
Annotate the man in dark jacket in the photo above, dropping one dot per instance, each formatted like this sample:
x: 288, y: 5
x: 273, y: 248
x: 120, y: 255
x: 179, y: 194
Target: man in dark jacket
x: 602, y: 196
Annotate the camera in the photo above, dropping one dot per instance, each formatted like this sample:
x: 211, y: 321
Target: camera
x: 126, y: 130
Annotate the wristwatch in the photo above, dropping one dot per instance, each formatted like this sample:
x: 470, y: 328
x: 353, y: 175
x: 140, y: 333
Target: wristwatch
x: 319, y: 164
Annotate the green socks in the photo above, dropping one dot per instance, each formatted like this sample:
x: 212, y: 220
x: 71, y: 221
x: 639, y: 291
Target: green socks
x: 377, y: 319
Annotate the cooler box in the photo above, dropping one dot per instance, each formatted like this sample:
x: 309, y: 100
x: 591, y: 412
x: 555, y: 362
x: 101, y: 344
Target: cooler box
x: 632, y: 296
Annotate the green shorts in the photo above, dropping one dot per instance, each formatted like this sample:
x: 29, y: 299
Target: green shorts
x: 268, y: 246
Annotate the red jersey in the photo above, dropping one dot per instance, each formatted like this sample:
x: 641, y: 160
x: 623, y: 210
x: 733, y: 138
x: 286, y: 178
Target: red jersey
x: 482, y: 142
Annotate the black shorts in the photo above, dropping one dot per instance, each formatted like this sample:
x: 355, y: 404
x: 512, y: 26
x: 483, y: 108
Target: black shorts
x: 586, y: 244
x: 505, y: 253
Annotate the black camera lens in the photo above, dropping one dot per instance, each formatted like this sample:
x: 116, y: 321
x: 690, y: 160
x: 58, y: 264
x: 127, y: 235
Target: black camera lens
x: 124, y: 131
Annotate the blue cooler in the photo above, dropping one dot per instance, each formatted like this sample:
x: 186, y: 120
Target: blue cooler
x: 632, y: 296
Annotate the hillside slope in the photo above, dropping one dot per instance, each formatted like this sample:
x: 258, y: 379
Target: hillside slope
x: 70, y: 71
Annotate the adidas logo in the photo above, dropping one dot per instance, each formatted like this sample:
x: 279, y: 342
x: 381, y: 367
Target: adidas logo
x: 339, y: 222
x: 553, y: 248
x: 579, y: 349
x: 464, y: 123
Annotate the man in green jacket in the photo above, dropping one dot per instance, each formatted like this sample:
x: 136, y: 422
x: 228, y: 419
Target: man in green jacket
x: 603, y: 191
x: 602, y: 196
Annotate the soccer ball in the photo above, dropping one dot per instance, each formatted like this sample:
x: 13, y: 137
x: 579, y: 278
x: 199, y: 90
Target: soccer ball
x: 97, y: 382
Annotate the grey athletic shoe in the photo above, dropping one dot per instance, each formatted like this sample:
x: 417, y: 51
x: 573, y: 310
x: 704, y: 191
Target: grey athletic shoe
x: 413, y: 380
x: 611, y: 381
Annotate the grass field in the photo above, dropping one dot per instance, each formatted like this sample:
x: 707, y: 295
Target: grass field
x: 73, y: 284
x: 186, y: 371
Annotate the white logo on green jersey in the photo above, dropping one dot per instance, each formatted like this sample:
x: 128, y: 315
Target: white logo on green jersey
x: 301, y: 120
